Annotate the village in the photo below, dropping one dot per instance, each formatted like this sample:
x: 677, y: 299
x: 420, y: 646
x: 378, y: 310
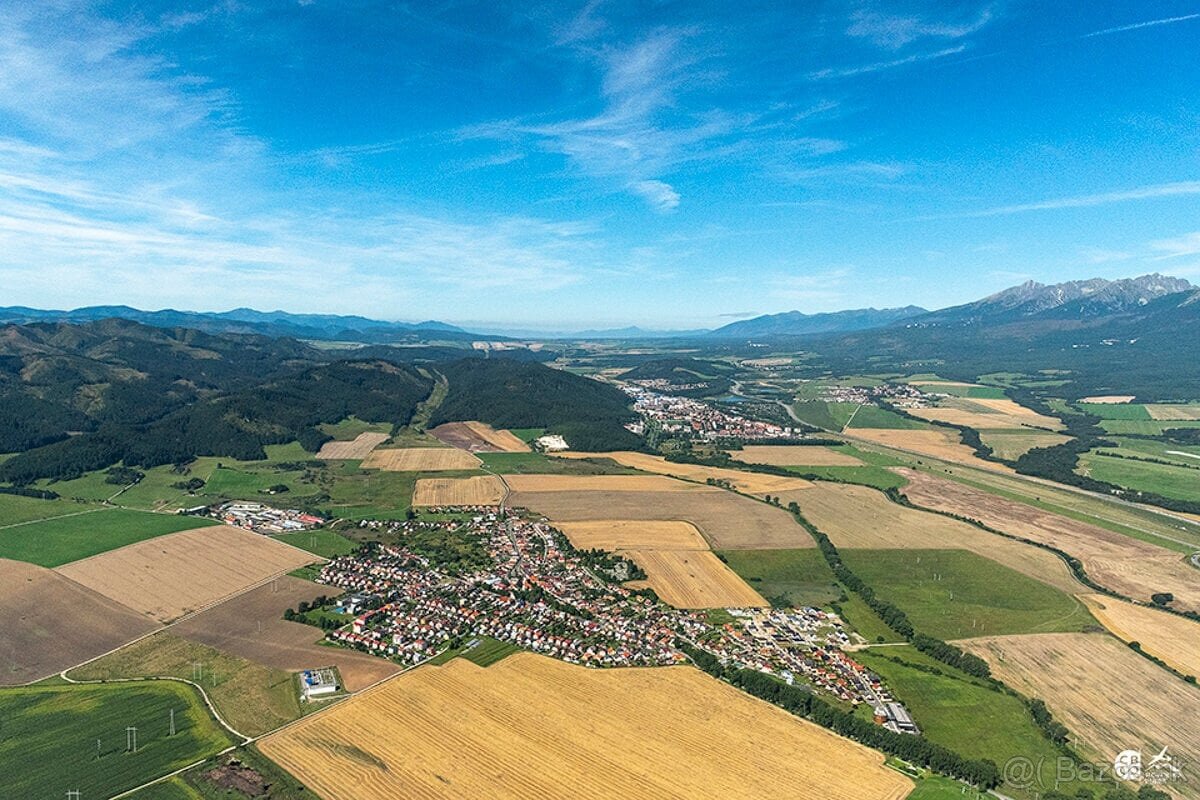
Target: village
x: 681, y: 415
x: 537, y: 592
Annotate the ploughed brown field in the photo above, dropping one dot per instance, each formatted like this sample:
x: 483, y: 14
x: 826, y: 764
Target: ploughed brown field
x: 783, y: 455
x: 1130, y: 566
x: 420, y: 459
x: 936, y: 443
x: 478, y: 437
x: 358, y: 448
x: 694, y: 579
x: 480, y: 490
x: 530, y: 726
x: 748, y: 482
x: 169, y: 576
x: 860, y: 517
x: 252, y: 626
x: 1172, y: 638
x: 1109, y: 697
x: 728, y: 521
x: 49, y: 622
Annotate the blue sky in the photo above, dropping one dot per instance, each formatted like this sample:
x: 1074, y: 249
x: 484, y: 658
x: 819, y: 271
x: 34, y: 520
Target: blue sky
x: 590, y: 164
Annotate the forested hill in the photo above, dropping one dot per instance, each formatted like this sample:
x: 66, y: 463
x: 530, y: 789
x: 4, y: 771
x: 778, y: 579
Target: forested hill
x: 511, y: 394
x: 75, y: 398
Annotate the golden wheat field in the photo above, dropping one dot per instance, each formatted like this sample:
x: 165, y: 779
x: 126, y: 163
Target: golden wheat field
x: 1109, y: 697
x: 633, y: 534
x: 357, y: 448
x: 782, y: 455
x: 748, y: 482
x: 600, y: 483
x: 480, y: 490
x: 1173, y: 639
x: 1130, y: 566
x: 530, y: 726
x: 936, y: 443
x: 421, y: 459
x: 859, y: 517
x: 1181, y: 411
x: 169, y: 576
x: 984, y: 413
x: 694, y: 579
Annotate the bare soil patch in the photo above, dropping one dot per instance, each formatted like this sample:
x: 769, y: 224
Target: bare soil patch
x: 169, y: 576
x: 481, y: 490
x: 421, y: 459
x: 48, y: 623
x: 1130, y: 566
x: 358, y: 448
x: 534, y: 727
x: 252, y: 626
x: 477, y: 437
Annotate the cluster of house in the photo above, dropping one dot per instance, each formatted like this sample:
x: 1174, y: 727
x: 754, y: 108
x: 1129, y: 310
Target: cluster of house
x: 541, y: 594
x: 685, y: 416
x: 262, y: 518
x: 902, y: 395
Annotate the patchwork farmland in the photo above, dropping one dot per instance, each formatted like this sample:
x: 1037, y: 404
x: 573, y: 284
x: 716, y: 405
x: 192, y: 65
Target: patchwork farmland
x: 1172, y: 638
x: 358, y: 448
x: 694, y: 579
x: 748, y: 482
x: 624, y: 534
x: 173, y: 575
x: 544, y: 728
x: 938, y: 443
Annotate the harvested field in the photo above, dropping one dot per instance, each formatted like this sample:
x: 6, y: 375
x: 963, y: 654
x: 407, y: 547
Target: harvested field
x: 1013, y: 443
x: 1172, y: 638
x: 983, y: 413
x: 938, y: 443
x: 1110, y: 399
x: 49, y: 623
x: 1109, y: 697
x: 782, y: 455
x: 694, y: 579
x: 728, y: 521
x: 476, y: 437
x: 600, y: 483
x: 534, y: 727
x: 1173, y: 412
x: 1130, y: 566
x: 167, y: 577
x: 626, y: 534
x: 358, y: 448
x: 420, y: 459
x: 252, y: 626
x: 748, y: 482
x: 481, y: 490
x: 859, y: 517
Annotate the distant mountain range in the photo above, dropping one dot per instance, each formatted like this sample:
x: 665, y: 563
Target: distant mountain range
x: 794, y: 323
x: 324, y: 327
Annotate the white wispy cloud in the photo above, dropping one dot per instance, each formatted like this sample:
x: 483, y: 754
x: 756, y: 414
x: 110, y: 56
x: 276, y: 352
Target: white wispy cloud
x: 1138, y: 25
x: 880, y: 66
x: 1176, y: 189
x: 659, y: 194
x: 1177, y: 247
x: 894, y: 32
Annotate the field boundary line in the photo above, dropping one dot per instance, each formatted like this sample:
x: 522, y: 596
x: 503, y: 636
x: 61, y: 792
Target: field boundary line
x: 60, y: 516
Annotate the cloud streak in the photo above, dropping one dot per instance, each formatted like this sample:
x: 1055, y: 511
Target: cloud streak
x: 1139, y: 25
x: 1157, y: 191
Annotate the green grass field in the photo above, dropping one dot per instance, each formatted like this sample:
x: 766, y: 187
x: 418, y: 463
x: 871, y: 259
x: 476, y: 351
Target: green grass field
x: 875, y: 417
x: 173, y: 789
x: 786, y: 578
x: 54, y: 542
x: 1180, y: 482
x: 1151, y: 427
x: 859, y: 616
x: 956, y: 594
x: 1010, y: 444
x: 324, y: 543
x: 349, y: 429
x: 15, y: 509
x: 829, y: 416
x: 486, y: 653
x: 538, y: 464
x: 962, y: 713
x: 196, y: 785
x: 1127, y: 411
x: 253, y: 698
x: 527, y: 435
x: 980, y: 392
x: 48, y: 737
x: 1185, y: 455
x: 936, y: 787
